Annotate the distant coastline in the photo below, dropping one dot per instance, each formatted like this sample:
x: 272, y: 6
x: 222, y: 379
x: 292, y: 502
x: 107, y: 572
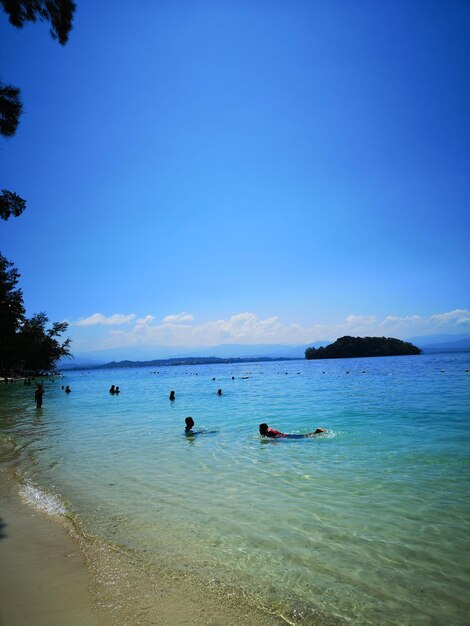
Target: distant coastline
x: 189, y: 361
x: 178, y: 362
x: 159, y: 354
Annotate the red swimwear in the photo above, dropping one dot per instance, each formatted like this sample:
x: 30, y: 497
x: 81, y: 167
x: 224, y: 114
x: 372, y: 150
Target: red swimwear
x: 271, y: 432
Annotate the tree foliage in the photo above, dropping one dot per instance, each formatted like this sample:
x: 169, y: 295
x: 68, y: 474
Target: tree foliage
x: 59, y: 14
x: 38, y: 347
x: 11, y: 311
x: 11, y: 204
x: 349, y: 347
x: 10, y: 109
x: 26, y: 345
x: 10, y: 112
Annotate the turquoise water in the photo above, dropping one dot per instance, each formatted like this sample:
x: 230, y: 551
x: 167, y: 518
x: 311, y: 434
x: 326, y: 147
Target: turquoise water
x: 368, y: 524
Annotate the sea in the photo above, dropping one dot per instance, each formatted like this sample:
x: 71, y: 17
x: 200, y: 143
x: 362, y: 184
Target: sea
x: 368, y: 523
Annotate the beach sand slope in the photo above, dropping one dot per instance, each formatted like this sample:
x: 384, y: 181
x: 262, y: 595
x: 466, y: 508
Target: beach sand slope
x: 43, y: 577
x: 47, y: 578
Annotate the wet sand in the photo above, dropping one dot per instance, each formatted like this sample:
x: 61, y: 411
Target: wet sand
x: 50, y: 578
x: 44, y: 579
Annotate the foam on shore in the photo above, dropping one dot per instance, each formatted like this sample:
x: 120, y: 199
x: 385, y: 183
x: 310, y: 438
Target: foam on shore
x: 121, y: 587
x: 45, y: 580
x: 42, y: 500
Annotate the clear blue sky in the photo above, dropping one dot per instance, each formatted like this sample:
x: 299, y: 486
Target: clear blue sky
x: 298, y: 160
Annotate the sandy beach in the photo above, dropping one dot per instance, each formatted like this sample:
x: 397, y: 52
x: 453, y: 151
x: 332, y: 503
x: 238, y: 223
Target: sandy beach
x: 50, y: 578
x: 45, y: 581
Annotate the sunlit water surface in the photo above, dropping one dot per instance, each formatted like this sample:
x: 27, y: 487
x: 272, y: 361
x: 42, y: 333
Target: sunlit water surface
x: 368, y: 524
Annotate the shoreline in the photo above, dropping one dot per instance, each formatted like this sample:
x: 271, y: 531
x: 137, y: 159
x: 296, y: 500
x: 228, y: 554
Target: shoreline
x: 325, y: 534
x: 45, y: 580
x: 51, y: 574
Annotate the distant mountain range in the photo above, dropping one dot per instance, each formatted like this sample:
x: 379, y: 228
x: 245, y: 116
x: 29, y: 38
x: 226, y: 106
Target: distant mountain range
x: 151, y: 353
x: 455, y: 346
x: 192, y: 360
x: 428, y: 343
x: 442, y: 343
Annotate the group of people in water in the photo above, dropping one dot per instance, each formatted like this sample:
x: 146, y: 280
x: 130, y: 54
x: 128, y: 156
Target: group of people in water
x: 264, y: 429
x: 114, y: 390
x: 172, y: 396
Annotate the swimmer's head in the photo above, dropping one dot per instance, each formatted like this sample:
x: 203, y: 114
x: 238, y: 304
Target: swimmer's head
x: 189, y: 422
x: 263, y: 429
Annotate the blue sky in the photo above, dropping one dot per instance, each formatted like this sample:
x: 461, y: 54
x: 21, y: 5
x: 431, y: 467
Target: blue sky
x: 204, y: 172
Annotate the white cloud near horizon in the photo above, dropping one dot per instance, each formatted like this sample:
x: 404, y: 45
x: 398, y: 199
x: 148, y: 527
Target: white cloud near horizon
x: 459, y: 316
x: 247, y: 328
x: 99, y: 318
x: 181, y: 317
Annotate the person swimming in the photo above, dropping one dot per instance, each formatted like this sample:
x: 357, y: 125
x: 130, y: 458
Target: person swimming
x: 265, y: 431
x: 172, y: 395
x: 189, y: 429
x: 189, y: 426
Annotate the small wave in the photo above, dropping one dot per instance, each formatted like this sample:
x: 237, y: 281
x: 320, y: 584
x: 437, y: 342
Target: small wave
x: 42, y: 500
x: 330, y: 434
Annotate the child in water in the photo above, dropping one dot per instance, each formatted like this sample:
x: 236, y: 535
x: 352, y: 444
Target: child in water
x: 189, y: 426
x: 189, y: 429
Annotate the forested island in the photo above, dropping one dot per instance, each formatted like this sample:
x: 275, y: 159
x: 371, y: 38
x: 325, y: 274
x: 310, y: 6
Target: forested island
x: 351, y: 347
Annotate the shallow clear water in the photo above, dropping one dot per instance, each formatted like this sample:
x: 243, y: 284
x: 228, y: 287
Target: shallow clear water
x: 367, y: 524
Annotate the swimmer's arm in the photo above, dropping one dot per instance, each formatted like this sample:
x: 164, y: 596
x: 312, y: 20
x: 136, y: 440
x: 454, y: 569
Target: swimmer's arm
x: 319, y: 431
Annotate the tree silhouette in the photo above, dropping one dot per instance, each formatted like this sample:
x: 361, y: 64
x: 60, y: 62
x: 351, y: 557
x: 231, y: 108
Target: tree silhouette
x: 10, y: 109
x: 11, y: 204
x: 350, y: 347
x: 59, y: 14
x: 26, y: 345
x: 38, y: 348
x: 11, y: 311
